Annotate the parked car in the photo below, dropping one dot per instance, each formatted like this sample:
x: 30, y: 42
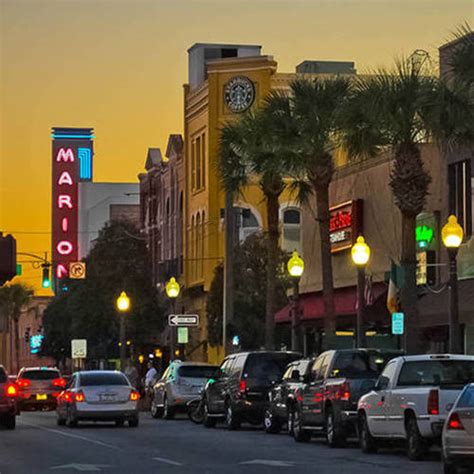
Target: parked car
x: 411, y: 401
x: 239, y: 390
x: 282, y: 396
x: 8, y: 401
x: 39, y: 387
x: 98, y: 395
x: 327, y: 402
x: 180, y: 383
x: 458, y: 434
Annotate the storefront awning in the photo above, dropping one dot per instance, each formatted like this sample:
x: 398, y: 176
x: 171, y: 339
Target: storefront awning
x: 312, y: 304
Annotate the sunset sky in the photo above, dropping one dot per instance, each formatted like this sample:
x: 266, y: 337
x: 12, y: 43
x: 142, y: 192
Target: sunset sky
x: 119, y: 66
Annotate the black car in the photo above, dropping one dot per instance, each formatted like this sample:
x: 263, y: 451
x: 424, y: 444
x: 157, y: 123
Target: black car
x: 8, y: 401
x: 239, y: 390
x: 282, y: 396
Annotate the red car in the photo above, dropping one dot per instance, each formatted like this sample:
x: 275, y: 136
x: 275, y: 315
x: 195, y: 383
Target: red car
x: 8, y: 401
x: 39, y: 387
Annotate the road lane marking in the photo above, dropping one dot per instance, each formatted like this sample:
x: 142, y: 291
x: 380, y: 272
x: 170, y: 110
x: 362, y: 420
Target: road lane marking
x: 269, y: 462
x: 168, y: 461
x: 82, y: 467
x: 70, y: 435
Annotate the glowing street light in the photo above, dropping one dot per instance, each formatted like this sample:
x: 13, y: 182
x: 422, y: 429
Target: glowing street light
x: 123, y: 302
x: 360, y: 256
x: 295, y: 267
x: 452, y: 235
x: 123, y: 305
x: 172, y: 290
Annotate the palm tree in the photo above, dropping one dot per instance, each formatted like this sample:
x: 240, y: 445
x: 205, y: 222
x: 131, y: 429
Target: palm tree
x: 12, y: 299
x: 316, y: 110
x: 395, y: 111
x: 249, y: 150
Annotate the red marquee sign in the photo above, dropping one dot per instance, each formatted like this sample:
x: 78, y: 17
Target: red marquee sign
x: 345, y: 224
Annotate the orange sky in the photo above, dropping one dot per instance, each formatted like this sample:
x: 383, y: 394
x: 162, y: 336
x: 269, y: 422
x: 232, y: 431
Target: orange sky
x: 119, y: 66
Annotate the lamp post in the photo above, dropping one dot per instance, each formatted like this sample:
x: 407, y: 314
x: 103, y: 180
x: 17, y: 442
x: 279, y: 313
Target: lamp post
x: 123, y: 306
x: 295, y: 269
x: 360, y: 256
x: 452, y: 235
x: 172, y: 290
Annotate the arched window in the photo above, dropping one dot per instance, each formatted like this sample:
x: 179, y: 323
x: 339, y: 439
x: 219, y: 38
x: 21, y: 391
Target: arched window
x: 197, y: 263
x: 191, y: 247
x: 291, y: 239
x: 203, y: 238
x: 247, y: 223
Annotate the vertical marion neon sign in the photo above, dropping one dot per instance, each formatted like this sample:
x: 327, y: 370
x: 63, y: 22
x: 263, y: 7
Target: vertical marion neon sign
x: 67, y: 172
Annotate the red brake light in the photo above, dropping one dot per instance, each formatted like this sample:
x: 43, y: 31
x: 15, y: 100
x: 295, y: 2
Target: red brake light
x: 67, y: 396
x: 243, y: 386
x: 79, y: 397
x: 59, y: 382
x: 344, y: 392
x: 454, y: 423
x: 11, y: 390
x: 23, y: 383
x: 134, y: 396
x: 433, y: 402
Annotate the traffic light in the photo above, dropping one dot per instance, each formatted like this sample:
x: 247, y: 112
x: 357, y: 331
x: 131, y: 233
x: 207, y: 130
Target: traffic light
x: 46, y: 282
x: 7, y: 258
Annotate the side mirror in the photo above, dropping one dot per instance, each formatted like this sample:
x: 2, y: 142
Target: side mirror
x: 295, y: 375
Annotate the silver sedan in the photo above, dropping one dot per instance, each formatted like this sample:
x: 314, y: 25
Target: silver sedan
x: 100, y: 395
x: 458, y: 434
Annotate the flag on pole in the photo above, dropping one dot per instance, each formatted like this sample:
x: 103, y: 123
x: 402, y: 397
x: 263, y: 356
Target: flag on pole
x: 392, y: 295
x: 368, y: 293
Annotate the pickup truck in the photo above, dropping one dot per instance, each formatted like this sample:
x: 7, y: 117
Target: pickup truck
x: 327, y: 401
x: 411, y: 401
x: 8, y: 401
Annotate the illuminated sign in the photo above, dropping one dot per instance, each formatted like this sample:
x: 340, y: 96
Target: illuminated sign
x: 35, y: 343
x: 424, y: 236
x: 72, y: 162
x: 345, y: 224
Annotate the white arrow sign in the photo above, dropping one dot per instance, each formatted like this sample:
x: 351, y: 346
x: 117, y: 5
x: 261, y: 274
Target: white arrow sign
x: 183, y: 320
x: 82, y: 467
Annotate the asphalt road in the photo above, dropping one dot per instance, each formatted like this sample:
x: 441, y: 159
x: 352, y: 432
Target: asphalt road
x: 179, y: 446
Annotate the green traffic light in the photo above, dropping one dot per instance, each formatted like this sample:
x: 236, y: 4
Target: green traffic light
x: 46, y: 283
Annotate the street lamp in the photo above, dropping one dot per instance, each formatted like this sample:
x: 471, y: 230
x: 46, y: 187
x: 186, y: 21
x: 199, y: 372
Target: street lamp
x: 123, y: 306
x: 360, y: 256
x: 172, y: 290
x: 452, y: 235
x: 295, y: 269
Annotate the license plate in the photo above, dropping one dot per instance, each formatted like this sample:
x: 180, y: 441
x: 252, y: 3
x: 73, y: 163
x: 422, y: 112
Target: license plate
x: 107, y: 397
x: 41, y: 396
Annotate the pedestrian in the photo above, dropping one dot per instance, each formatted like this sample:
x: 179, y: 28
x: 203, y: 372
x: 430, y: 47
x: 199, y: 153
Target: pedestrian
x: 151, y: 376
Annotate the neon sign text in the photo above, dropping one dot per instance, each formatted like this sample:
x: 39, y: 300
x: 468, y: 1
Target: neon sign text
x: 65, y: 178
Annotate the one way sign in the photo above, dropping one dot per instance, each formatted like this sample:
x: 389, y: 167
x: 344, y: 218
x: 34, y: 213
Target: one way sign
x: 183, y: 320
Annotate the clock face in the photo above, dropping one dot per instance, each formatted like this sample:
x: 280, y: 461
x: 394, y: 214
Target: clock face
x: 239, y: 94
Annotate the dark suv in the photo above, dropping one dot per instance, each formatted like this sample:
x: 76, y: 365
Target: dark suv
x: 328, y: 401
x: 282, y: 396
x: 239, y: 390
x: 8, y: 401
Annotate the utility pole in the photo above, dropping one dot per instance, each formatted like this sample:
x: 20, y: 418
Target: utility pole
x: 228, y: 296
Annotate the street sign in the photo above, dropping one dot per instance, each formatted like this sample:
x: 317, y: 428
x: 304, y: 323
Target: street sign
x: 183, y: 336
x: 398, y: 326
x: 77, y: 270
x: 79, y: 348
x: 183, y: 320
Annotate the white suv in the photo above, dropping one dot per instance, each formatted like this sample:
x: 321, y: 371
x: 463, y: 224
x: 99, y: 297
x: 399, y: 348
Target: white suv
x: 411, y: 401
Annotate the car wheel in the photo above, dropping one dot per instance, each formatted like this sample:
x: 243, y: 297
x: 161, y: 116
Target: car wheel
x: 168, y: 411
x: 367, y: 442
x: 119, y: 422
x: 290, y: 421
x: 9, y: 422
x: 207, y: 420
x: 133, y: 422
x: 231, y: 419
x: 299, y: 434
x: 156, y: 411
x: 60, y: 421
x: 270, y: 423
x: 334, y: 436
x: 416, y: 445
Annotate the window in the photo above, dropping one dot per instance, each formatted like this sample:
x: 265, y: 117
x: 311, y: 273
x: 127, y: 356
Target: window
x: 460, y: 194
x: 267, y: 368
x: 193, y: 166
x: 467, y: 398
x: 201, y: 262
x: 203, y: 160
x: 102, y: 378
x: 226, y: 367
x: 40, y: 374
x: 198, y: 246
x: 316, y: 369
x: 198, y: 163
x: 291, y: 230
x: 197, y: 371
x: 247, y: 223
x: 191, y: 247
x: 389, y: 371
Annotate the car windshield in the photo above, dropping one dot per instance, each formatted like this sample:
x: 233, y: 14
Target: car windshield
x: 197, y: 371
x: 106, y: 378
x: 3, y: 375
x: 361, y: 364
x: 437, y: 372
x: 467, y: 398
x: 40, y: 374
x: 267, y: 368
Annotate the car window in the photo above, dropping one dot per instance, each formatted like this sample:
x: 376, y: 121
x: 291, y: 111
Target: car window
x: 436, y: 372
x: 226, y: 366
x: 238, y: 365
x: 288, y: 371
x: 40, y: 374
x: 389, y: 371
x: 303, y: 366
x: 324, y: 367
x: 166, y: 373
x: 467, y: 398
x: 354, y: 364
x: 316, y: 369
x: 267, y: 367
x: 3, y: 375
x: 197, y: 371
x: 106, y: 378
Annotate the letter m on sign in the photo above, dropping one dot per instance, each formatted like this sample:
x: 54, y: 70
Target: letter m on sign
x: 65, y: 155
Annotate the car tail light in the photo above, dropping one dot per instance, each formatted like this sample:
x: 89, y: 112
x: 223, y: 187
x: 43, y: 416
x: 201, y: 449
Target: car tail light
x: 59, y: 382
x: 67, y: 397
x: 242, y: 386
x: 11, y: 390
x: 79, y: 397
x: 433, y: 402
x: 23, y: 383
x: 344, y: 392
x: 454, y: 423
x: 134, y: 396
